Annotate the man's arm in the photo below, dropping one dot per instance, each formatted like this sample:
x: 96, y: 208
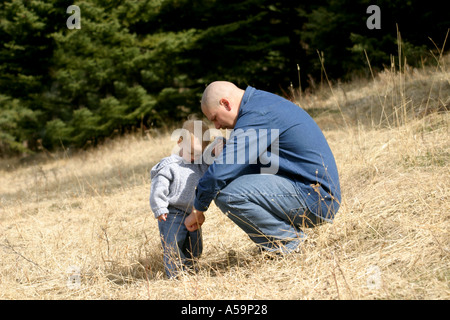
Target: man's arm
x: 245, y: 152
x: 195, y: 220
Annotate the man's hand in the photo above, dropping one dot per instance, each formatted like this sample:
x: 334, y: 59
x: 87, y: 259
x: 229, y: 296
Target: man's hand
x: 195, y: 220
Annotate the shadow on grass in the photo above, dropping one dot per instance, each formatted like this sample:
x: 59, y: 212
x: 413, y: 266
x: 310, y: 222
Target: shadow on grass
x: 151, y: 268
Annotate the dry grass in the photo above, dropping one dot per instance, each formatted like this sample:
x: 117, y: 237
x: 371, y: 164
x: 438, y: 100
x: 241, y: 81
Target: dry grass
x: 390, y: 239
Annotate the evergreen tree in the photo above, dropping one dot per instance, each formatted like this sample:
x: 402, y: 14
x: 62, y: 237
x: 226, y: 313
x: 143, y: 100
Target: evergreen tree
x: 136, y: 63
x: 25, y: 61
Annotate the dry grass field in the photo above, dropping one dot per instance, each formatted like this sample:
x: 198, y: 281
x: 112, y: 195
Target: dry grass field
x: 79, y: 225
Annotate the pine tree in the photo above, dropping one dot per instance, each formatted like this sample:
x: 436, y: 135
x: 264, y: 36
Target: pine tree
x: 144, y: 63
x: 25, y: 63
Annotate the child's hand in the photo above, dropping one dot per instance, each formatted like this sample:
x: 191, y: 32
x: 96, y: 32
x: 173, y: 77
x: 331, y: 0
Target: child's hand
x: 162, y: 217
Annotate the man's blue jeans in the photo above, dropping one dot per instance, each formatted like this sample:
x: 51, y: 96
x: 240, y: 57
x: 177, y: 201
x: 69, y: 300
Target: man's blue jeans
x: 180, y: 246
x: 269, y: 209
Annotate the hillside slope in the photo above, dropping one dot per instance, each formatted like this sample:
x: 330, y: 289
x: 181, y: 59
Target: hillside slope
x: 79, y: 226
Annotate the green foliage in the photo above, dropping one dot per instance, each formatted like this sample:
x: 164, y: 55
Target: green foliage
x: 338, y: 30
x: 17, y: 124
x: 144, y: 63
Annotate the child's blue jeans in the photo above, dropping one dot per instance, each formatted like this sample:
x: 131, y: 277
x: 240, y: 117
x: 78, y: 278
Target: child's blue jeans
x: 269, y: 209
x: 180, y: 246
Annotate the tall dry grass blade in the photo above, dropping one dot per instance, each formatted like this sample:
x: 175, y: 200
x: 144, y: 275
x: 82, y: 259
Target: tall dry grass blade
x: 321, y: 59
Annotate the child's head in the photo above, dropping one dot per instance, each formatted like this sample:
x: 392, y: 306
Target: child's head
x: 193, y: 139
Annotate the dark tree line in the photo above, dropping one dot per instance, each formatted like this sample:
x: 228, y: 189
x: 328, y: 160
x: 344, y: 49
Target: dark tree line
x: 146, y: 63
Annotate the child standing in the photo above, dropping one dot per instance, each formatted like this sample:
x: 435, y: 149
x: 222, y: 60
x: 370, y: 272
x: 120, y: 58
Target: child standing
x: 173, y: 183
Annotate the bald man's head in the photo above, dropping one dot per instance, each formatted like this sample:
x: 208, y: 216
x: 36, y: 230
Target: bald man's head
x: 220, y: 103
x: 216, y: 91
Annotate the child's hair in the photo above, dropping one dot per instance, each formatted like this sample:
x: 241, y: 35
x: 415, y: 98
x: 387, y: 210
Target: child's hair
x: 191, y: 124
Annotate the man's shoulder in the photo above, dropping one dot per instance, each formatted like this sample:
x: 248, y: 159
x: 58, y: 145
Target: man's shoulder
x: 263, y: 102
x: 267, y: 110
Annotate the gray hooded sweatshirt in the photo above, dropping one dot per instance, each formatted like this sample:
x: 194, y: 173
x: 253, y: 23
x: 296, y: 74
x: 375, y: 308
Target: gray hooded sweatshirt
x: 173, y: 184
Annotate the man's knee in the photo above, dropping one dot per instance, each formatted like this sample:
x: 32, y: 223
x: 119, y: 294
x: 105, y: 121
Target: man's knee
x: 223, y: 201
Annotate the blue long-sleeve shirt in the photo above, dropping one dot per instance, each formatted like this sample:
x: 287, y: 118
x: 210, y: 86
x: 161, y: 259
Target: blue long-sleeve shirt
x: 274, y: 136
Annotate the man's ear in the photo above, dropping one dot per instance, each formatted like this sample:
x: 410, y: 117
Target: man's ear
x: 224, y: 102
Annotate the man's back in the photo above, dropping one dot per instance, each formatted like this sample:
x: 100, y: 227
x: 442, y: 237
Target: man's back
x: 304, y: 154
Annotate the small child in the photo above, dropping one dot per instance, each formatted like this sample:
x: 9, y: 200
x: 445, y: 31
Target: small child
x: 173, y: 183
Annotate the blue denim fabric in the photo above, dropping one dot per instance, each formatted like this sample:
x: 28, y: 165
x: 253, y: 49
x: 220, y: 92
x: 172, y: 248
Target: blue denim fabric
x: 269, y: 209
x: 299, y: 152
x: 180, y: 246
